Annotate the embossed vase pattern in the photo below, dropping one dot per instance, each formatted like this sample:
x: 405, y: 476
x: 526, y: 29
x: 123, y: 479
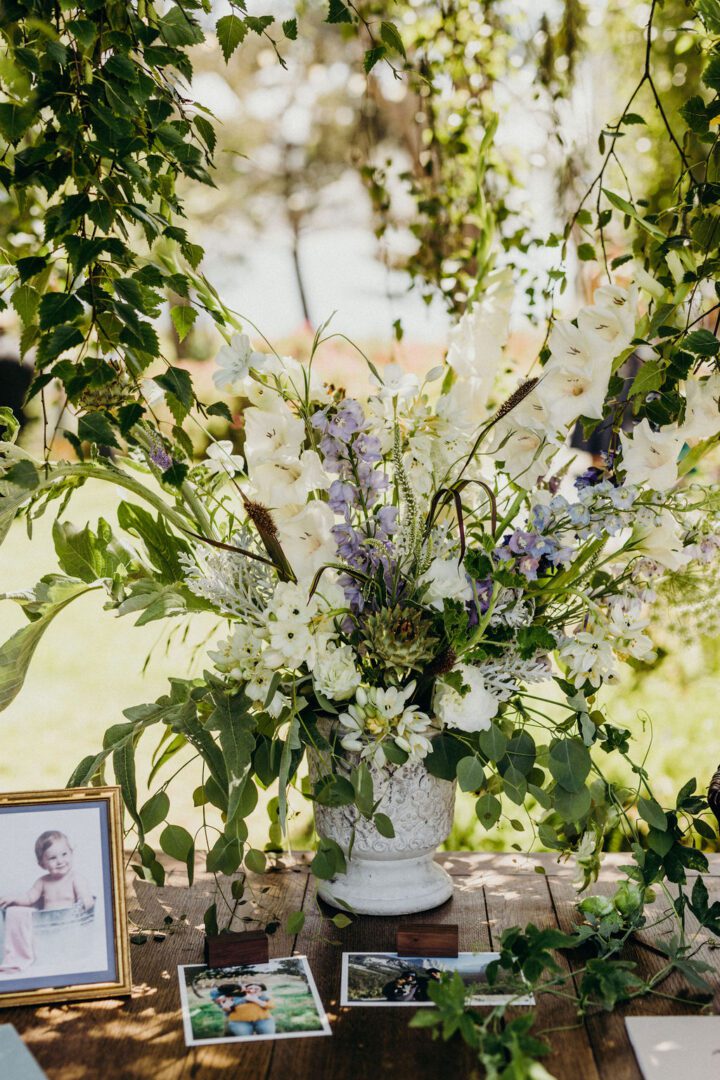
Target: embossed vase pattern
x: 391, y: 875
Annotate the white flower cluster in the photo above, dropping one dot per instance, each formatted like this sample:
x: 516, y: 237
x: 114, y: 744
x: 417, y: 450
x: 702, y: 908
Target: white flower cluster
x: 379, y: 714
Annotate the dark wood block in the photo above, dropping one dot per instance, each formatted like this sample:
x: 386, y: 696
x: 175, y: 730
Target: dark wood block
x: 227, y: 950
x: 427, y: 939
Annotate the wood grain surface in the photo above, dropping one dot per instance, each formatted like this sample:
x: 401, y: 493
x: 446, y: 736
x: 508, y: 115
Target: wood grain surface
x: 141, y: 1038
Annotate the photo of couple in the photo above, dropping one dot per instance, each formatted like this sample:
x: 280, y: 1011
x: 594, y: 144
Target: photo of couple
x: 389, y: 979
x: 249, y: 1002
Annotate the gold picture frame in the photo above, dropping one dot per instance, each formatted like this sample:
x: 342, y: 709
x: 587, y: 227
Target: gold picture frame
x: 111, y: 934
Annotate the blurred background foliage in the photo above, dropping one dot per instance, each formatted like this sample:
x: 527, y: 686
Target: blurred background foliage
x: 386, y: 198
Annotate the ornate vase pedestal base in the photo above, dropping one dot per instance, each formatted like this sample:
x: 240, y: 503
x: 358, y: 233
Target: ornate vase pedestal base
x: 388, y: 886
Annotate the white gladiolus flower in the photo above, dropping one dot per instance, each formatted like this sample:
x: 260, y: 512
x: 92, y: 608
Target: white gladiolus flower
x: 575, y: 379
x: 220, y: 458
x: 477, y: 341
x: 663, y: 541
x: 610, y: 321
x: 307, y: 540
x: 269, y: 434
x: 651, y: 456
x: 286, y: 481
x: 446, y: 580
x: 235, y: 361
x: 335, y: 674
x: 473, y: 711
x: 522, y: 452
x: 396, y: 383
x: 702, y: 412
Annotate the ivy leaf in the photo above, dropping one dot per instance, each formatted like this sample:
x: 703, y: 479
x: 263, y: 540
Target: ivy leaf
x: 177, y: 382
x: 586, y: 252
x: 391, y: 36
x: 711, y: 74
x: 488, y: 810
x: 695, y: 115
x: 178, y: 28
x: 290, y: 29
x: 25, y: 300
x: 295, y: 922
x: 15, y: 120
x: 372, y: 56
x: 569, y: 763
x: 701, y: 343
x: 95, y: 428
x: 470, y: 774
x: 57, y: 307
x: 54, y: 344
x: 155, y: 811
x: 220, y: 408
x: 183, y: 316
x: 231, y: 31
x: 176, y: 842
x: 384, y: 826
x: 653, y: 813
x: 338, y: 12
x: 256, y: 861
x: 650, y: 377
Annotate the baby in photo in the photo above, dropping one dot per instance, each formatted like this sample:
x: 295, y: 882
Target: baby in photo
x: 60, y: 891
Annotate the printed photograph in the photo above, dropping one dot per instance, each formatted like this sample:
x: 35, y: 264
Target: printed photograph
x: 388, y: 979
x: 276, y: 1000
x: 57, y: 909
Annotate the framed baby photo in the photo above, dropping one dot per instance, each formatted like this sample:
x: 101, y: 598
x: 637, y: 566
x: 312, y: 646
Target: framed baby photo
x: 63, y: 923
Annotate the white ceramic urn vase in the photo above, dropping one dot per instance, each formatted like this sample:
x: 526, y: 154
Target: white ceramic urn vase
x: 398, y: 875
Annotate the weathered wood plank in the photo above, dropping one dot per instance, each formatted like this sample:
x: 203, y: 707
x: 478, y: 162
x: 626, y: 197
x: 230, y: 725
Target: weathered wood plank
x: 515, y: 900
x: 606, y: 1031
x: 375, y: 1042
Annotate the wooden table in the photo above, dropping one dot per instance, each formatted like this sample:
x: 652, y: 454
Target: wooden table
x: 141, y: 1038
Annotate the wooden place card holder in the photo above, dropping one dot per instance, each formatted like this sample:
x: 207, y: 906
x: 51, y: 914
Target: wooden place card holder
x: 228, y: 950
x: 427, y: 939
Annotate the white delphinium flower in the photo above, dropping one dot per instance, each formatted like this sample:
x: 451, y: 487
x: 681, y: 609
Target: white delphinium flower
x: 446, y: 579
x: 272, y: 433
x: 650, y: 457
x: 221, y: 460
x: 589, y: 656
x: 287, y: 481
x: 472, y: 711
x: 662, y: 540
x: 335, y: 674
x: 575, y: 379
x: 383, y: 713
x: 394, y: 382
x: 609, y: 321
x: 234, y: 362
x: 307, y: 540
x: 702, y: 411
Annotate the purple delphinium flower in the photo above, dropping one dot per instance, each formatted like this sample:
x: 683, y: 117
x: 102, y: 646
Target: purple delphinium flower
x: 528, y: 566
x: 348, y: 420
x: 387, y: 521
x: 589, y: 478
x: 342, y: 497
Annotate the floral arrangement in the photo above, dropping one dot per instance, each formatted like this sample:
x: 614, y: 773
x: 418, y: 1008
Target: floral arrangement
x: 421, y: 575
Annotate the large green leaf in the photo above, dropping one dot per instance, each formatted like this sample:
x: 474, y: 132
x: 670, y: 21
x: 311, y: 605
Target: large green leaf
x: 84, y: 554
x: 570, y: 763
x: 234, y: 723
x: 48, y: 600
